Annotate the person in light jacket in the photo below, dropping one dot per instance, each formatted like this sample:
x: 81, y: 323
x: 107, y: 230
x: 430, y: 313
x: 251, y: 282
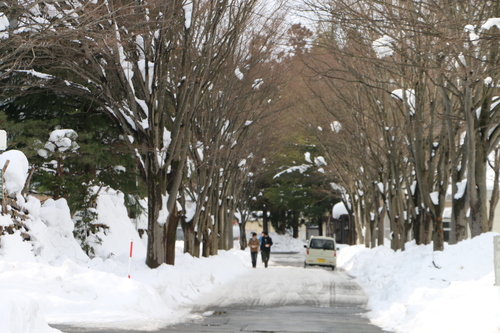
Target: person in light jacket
x: 265, y: 247
x: 254, y: 245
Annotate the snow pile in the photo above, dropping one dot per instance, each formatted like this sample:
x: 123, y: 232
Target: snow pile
x: 112, y: 213
x: 50, y: 278
x: 282, y: 243
x: 285, y: 243
x: 336, y: 126
x: 16, y: 172
x: 100, y: 294
x: 21, y: 313
x: 62, y: 140
x: 419, y: 290
x: 27, y: 276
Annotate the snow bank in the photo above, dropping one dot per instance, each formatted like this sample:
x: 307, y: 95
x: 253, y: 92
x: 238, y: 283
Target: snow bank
x: 51, y: 231
x: 16, y: 172
x: 285, y: 243
x: 52, y: 273
x: 50, y: 279
x: 99, y: 294
x: 282, y: 243
x: 21, y: 313
x: 112, y: 212
x: 419, y: 290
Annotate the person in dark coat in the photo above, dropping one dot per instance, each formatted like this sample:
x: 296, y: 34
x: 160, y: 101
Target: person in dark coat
x: 265, y: 247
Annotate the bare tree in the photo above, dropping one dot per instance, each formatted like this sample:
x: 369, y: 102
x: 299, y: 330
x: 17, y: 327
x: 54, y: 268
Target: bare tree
x: 148, y: 65
x: 402, y: 50
x: 223, y: 127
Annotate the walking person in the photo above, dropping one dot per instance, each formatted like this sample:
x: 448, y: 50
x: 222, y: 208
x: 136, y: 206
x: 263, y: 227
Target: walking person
x: 265, y: 248
x: 254, y: 245
x: 260, y: 242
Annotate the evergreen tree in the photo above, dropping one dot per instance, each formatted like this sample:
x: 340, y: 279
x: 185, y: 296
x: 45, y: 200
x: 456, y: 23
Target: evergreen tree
x: 97, y: 154
x: 299, y: 191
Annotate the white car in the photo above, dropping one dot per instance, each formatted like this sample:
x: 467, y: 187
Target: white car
x: 321, y: 251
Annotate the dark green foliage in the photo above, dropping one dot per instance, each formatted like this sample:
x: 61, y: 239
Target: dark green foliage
x: 302, y: 193
x: 85, y: 231
x: 101, y: 158
x: 30, y: 119
x: 298, y: 195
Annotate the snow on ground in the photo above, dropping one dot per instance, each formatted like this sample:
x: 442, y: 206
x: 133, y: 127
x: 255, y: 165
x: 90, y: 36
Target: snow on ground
x: 418, y: 290
x: 286, y: 243
x: 407, y: 292
x: 279, y: 286
x: 51, y: 280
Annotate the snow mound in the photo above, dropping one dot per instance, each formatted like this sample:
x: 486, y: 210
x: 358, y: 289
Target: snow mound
x: 286, y: 243
x: 418, y: 290
x: 52, y: 273
x: 16, y: 172
x: 21, y: 313
x: 51, y: 231
x: 116, y: 240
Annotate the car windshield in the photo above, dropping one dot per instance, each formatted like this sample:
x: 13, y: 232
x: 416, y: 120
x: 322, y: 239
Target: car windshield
x: 326, y: 244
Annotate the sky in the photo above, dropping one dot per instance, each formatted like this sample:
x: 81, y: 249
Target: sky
x: 51, y: 280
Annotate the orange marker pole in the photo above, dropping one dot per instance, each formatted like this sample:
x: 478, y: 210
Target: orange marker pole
x: 130, y: 257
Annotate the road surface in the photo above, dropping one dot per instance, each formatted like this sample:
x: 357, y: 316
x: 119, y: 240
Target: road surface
x: 282, y: 298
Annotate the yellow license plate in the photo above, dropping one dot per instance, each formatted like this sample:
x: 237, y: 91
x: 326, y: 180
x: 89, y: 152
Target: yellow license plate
x: 321, y: 260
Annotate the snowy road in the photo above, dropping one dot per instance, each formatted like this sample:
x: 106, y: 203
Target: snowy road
x: 282, y: 298
x: 287, y: 283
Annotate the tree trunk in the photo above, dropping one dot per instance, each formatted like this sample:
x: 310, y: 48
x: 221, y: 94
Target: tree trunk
x: 459, y: 218
x: 265, y: 220
x: 352, y: 229
x: 359, y: 222
x: 243, y: 236
x: 282, y: 228
x: 478, y: 213
x: 223, y: 225
x: 419, y: 223
x: 427, y: 232
x: 216, y: 227
x: 381, y: 227
x: 495, y: 192
x: 191, y: 242
x: 173, y: 222
x: 320, y: 227
x: 206, y: 244
x: 438, y: 234
x: 157, y: 232
x: 368, y: 235
x: 395, y: 232
x: 373, y: 233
